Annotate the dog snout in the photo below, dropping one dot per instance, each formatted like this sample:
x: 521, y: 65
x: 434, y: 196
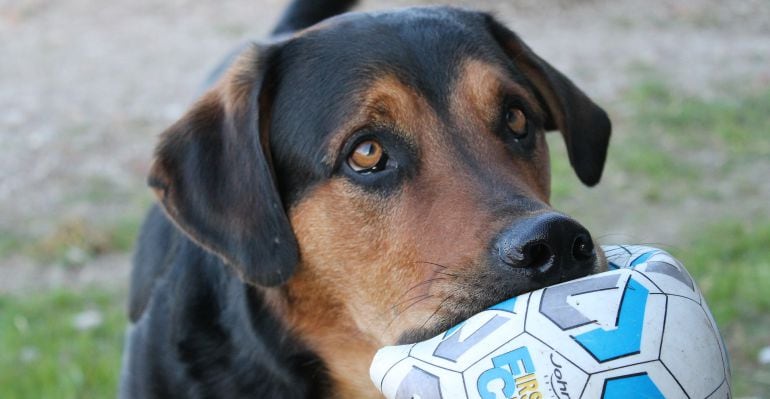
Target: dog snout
x: 551, y: 246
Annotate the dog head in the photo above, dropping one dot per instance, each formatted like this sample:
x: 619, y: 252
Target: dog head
x: 384, y: 176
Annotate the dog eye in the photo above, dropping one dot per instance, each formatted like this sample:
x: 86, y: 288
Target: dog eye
x: 368, y: 156
x: 516, y: 122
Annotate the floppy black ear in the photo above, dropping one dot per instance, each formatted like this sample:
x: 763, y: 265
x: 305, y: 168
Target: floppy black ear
x: 213, y: 176
x: 584, y: 125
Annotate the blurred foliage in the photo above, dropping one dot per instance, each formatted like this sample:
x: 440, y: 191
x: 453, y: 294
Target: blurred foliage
x: 74, y: 241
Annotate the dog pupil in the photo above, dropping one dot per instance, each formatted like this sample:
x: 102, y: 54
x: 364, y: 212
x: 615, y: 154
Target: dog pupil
x: 516, y: 121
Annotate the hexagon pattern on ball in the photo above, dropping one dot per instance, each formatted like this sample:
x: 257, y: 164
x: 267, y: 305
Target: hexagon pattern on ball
x: 641, y: 329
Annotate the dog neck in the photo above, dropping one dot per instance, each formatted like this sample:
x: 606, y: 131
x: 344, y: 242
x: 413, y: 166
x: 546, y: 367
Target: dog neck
x: 331, y: 335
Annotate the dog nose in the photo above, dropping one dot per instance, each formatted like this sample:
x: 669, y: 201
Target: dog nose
x: 549, y: 244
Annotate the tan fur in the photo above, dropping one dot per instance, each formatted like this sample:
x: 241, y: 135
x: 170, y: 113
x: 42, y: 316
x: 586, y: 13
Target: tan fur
x: 478, y: 100
x: 368, y: 266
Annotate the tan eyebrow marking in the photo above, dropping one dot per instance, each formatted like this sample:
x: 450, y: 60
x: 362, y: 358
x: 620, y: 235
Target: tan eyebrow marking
x: 386, y: 102
x: 480, y: 89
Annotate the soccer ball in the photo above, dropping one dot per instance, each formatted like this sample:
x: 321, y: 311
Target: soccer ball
x: 641, y: 329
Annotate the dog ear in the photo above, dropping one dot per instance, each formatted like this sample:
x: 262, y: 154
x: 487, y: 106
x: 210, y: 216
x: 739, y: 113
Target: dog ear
x: 584, y: 125
x: 213, y: 176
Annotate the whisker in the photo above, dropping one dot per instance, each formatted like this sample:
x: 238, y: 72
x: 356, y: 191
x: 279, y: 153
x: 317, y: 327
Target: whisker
x: 447, y: 274
x: 432, y: 263
x: 608, y: 235
x: 661, y: 245
x: 408, y: 300
x: 438, y: 265
x: 636, y: 241
x: 420, y: 284
x: 411, y: 302
x: 441, y: 304
x: 405, y: 309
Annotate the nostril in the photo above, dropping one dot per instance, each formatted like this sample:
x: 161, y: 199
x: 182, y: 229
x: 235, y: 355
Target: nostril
x: 548, y: 245
x: 582, y: 248
x: 538, y: 255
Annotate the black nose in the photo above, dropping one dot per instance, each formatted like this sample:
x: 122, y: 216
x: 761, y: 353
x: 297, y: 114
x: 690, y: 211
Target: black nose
x: 550, y: 245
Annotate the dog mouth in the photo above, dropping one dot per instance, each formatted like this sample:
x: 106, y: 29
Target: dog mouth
x: 480, y: 292
x: 453, y: 311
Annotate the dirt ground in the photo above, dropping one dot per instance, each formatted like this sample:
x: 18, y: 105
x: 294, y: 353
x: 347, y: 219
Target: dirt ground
x: 86, y: 86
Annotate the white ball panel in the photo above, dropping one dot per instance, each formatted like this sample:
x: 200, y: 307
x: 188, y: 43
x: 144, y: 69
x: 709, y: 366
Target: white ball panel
x: 691, y: 350
x: 723, y: 392
x: 385, y: 359
x: 722, y: 346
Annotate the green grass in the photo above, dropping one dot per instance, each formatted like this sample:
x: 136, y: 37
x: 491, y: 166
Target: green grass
x: 45, y: 356
x: 736, y: 123
x: 663, y: 138
x: 10, y: 242
x: 74, y: 241
x: 731, y: 262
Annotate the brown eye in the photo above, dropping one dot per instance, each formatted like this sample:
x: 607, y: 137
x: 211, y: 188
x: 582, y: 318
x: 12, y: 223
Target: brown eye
x: 517, y: 122
x: 367, y: 157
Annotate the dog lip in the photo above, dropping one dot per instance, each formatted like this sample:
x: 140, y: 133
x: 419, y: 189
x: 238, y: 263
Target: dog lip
x: 413, y: 336
x: 600, y: 265
x: 446, y: 322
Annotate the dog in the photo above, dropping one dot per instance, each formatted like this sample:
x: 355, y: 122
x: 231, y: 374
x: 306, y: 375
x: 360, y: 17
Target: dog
x: 359, y: 180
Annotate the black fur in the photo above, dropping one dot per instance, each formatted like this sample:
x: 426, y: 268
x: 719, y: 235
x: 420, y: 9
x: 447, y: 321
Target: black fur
x: 205, y: 333
x: 200, y: 327
x: 216, y: 182
x: 303, y: 13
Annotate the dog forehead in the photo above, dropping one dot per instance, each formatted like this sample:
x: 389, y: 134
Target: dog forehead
x: 321, y: 73
x: 323, y: 77
x: 421, y: 46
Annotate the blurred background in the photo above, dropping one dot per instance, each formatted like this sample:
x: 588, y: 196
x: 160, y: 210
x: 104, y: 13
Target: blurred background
x: 86, y: 86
